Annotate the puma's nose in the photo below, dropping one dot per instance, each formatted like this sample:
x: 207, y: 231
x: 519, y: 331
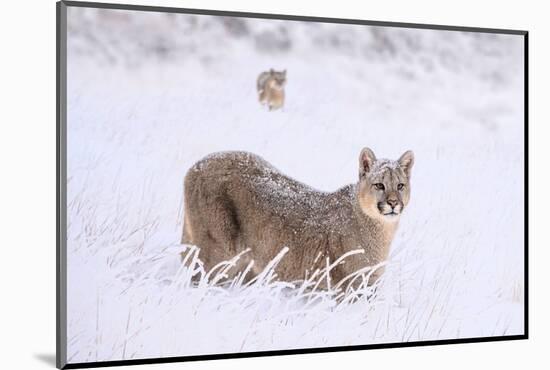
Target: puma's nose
x: 392, y: 202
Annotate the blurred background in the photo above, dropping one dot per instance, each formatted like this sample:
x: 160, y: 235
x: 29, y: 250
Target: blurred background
x: 132, y: 39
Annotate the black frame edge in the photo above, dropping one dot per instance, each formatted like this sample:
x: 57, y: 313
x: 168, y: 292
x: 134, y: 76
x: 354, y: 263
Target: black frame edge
x: 61, y: 176
x: 526, y: 186
x: 288, y: 17
x: 224, y: 356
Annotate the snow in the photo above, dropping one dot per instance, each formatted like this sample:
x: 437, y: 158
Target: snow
x: 151, y: 94
x: 383, y: 165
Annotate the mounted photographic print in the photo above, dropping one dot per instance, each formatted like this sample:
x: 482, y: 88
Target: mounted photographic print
x: 237, y: 184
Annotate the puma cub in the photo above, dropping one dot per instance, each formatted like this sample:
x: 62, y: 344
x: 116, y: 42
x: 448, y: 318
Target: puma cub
x: 270, y: 86
x: 237, y: 200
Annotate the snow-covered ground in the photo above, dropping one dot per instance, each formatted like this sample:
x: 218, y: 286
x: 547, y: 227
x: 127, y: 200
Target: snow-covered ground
x: 150, y: 94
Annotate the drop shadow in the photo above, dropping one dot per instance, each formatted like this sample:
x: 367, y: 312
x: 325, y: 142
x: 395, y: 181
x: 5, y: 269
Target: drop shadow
x: 47, y: 358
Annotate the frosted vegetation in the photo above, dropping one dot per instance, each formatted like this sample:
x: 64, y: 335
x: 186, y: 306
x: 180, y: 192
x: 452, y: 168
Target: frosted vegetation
x: 150, y: 94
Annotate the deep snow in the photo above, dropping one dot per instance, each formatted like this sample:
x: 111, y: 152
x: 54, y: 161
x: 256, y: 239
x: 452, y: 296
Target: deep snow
x: 150, y: 94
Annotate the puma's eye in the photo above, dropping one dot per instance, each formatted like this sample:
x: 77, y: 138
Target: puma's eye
x: 400, y: 186
x: 379, y: 186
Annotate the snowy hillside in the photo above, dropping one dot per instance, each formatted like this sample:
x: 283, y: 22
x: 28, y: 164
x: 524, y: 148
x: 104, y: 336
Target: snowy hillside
x: 149, y: 94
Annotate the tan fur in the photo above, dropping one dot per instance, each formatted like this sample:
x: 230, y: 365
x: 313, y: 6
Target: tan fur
x: 270, y: 86
x: 236, y: 201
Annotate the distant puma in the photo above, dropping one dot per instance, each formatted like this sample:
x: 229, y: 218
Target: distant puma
x: 237, y: 200
x: 270, y: 86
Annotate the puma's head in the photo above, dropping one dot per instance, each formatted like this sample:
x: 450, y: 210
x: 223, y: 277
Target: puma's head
x: 277, y: 79
x: 384, y: 185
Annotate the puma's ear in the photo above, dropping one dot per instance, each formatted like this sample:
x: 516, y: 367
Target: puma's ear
x: 366, y: 161
x: 284, y: 72
x: 406, y: 162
